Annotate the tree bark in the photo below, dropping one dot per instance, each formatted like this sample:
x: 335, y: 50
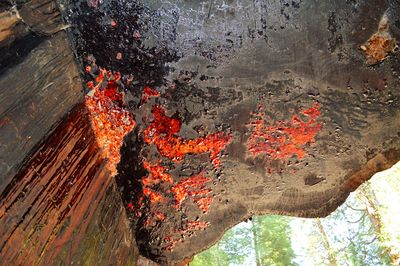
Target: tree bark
x: 327, y: 245
x: 254, y: 228
x: 218, y: 254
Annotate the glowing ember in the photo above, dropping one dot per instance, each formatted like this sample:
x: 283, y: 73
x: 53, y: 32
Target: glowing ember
x: 110, y: 122
x: 136, y: 207
x: 204, y: 203
x: 283, y: 139
x: 158, y: 217
x: 195, y: 226
x: 157, y: 173
x: 158, y: 186
x: 153, y: 196
x: 171, y: 242
x: 159, y: 179
x: 147, y: 93
x: 162, y: 132
x: 192, y: 186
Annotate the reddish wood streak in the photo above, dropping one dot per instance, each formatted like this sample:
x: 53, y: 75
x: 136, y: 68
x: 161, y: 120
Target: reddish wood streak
x: 110, y: 122
x: 148, y: 93
x: 163, y: 131
x: 157, y: 173
x: 191, y: 187
x: 48, y: 199
x: 282, y: 140
x: 158, y: 186
x: 204, y: 203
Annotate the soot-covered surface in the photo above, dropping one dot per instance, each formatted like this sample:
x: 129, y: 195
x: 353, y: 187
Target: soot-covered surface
x: 234, y: 108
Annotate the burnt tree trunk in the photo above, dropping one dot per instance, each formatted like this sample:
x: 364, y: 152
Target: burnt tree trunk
x: 58, y: 203
x: 254, y: 229
x: 231, y: 117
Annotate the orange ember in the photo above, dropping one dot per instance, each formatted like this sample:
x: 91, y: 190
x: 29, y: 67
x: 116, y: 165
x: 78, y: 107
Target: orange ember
x: 153, y: 196
x: 158, y: 217
x: 157, y: 173
x: 110, y: 122
x: 284, y: 139
x: 147, y: 93
x: 162, y: 132
x: 204, y: 203
x: 192, y: 186
x: 136, y: 207
x: 171, y: 242
x: 195, y: 226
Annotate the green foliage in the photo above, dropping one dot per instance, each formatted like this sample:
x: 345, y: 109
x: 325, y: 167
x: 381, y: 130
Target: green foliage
x: 212, y: 256
x: 236, y: 243
x: 237, y: 248
x: 356, y: 243
x: 356, y: 236
x: 232, y: 249
x: 274, y: 240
